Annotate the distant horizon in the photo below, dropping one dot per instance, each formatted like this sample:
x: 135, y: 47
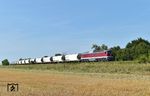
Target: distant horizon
x: 35, y: 28
x: 76, y: 52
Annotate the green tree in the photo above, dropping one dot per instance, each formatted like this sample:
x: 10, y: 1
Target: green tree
x: 114, y: 50
x: 104, y: 47
x: 5, y: 62
x: 139, y: 48
x: 134, y: 50
x: 97, y: 48
x: 120, y: 55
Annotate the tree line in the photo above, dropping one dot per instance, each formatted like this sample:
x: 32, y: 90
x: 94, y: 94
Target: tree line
x: 138, y: 49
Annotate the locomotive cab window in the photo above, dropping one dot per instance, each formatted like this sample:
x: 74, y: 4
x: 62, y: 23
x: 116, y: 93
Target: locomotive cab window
x: 109, y: 52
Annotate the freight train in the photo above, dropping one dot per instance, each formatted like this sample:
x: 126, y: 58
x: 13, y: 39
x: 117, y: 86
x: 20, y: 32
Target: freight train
x: 60, y: 58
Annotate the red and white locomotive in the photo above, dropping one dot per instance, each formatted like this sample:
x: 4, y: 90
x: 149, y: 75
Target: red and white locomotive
x: 97, y: 56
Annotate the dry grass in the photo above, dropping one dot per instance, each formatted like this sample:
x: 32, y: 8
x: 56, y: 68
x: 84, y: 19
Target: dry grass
x: 46, y: 83
x: 90, y: 67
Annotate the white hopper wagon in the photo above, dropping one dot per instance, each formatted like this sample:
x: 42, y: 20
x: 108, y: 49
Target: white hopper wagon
x: 38, y: 60
x: 27, y: 61
x: 46, y: 59
x: 32, y: 61
x: 19, y: 62
x: 56, y: 59
x: 72, y: 57
x: 22, y: 61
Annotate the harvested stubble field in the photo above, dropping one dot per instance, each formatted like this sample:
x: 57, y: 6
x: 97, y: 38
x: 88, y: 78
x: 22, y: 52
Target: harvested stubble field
x: 58, y: 82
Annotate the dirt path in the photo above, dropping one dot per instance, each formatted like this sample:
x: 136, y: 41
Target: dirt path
x: 42, y: 83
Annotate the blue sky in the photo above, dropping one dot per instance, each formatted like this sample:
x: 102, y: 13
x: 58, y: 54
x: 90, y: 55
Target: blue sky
x: 35, y: 28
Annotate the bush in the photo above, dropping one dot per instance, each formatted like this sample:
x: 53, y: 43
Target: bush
x: 5, y: 62
x: 143, y: 59
x: 148, y: 61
